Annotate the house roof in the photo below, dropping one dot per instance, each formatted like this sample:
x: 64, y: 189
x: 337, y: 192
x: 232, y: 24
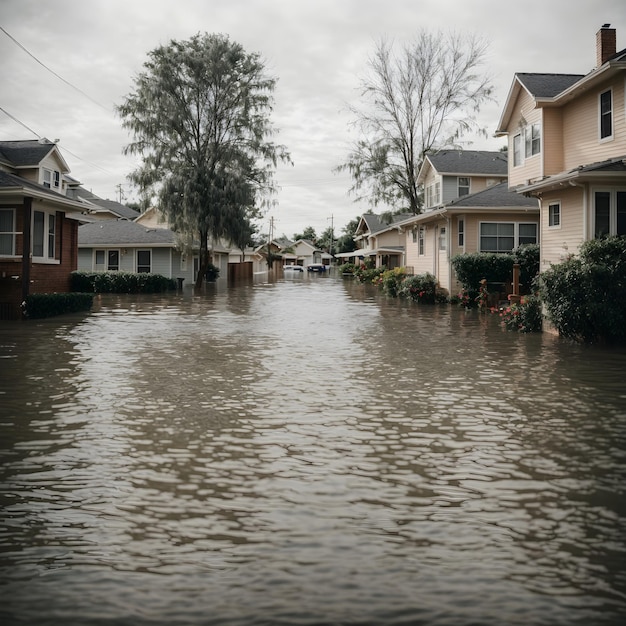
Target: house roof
x: 607, y: 170
x: 374, y: 224
x: 10, y: 184
x: 123, y: 233
x: 496, y: 196
x: 547, y: 85
x: 28, y: 152
x: 467, y: 162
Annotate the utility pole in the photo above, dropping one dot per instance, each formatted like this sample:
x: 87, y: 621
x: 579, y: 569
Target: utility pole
x: 332, y: 237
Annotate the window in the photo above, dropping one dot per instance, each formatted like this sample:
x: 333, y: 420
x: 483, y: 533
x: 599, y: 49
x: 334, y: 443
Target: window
x: 39, y: 219
x: 609, y: 213
x: 7, y: 232
x: 47, y: 178
x: 144, y: 261
x: 57, y: 179
x: 554, y: 215
x: 44, y: 235
x: 433, y: 194
x: 505, y: 236
x: 420, y: 241
x: 532, y: 135
x: 107, y: 260
x: 461, y: 233
x: 517, y: 150
x: 606, y: 115
x: 51, y: 235
x: 463, y: 186
x: 414, y: 234
x: 51, y: 179
x: 443, y: 242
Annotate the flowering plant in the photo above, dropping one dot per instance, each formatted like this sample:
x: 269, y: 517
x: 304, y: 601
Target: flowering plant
x: 525, y: 317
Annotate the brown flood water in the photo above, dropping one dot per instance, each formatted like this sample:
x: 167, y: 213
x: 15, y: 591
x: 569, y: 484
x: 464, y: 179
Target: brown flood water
x: 307, y: 451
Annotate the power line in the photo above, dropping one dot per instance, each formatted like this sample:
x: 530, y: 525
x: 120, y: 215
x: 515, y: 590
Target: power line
x: 20, y: 122
x: 30, y: 54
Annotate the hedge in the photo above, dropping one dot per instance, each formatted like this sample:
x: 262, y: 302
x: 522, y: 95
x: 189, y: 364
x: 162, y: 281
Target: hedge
x: 121, y: 282
x: 40, y: 305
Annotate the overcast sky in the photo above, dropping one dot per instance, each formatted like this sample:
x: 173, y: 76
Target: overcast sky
x: 318, y: 50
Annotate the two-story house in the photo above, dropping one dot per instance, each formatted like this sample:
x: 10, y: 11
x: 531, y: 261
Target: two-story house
x: 468, y: 208
x: 38, y: 223
x: 378, y: 240
x: 567, y: 141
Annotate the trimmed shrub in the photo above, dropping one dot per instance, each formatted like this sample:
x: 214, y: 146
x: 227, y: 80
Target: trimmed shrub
x: 40, y: 305
x: 585, y: 296
x: 471, y: 268
x: 121, y: 282
x: 369, y: 275
x: 527, y: 256
x: 391, y: 281
x: 347, y: 268
x: 420, y: 288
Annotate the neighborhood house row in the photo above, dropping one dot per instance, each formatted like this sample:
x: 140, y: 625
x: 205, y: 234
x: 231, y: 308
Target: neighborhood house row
x: 561, y: 182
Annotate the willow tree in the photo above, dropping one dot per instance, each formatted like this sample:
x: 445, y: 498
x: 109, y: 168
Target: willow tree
x: 199, y: 118
x: 423, y: 98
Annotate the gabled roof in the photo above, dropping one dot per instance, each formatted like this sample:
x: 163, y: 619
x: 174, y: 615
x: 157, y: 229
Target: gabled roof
x: 123, y: 233
x: 557, y: 89
x: 496, y: 196
x: 10, y: 185
x: 466, y: 163
x: 116, y: 208
x: 29, y: 152
x: 373, y: 224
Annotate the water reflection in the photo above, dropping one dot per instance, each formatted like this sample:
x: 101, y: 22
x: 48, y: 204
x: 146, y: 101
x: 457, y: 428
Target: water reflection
x: 307, y: 452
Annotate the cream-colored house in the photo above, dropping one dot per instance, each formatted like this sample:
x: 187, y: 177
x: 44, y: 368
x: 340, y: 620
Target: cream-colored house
x: 567, y: 146
x: 449, y: 174
x: 494, y: 219
x: 380, y: 241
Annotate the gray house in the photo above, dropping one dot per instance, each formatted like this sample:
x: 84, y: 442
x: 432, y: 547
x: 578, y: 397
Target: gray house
x: 121, y: 245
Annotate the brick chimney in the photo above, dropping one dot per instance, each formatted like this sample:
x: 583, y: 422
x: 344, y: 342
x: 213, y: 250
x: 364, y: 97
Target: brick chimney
x: 606, y: 44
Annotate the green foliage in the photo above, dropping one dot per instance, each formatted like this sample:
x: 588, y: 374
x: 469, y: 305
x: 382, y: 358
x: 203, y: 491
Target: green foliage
x: 367, y: 274
x: 120, y: 282
x: 421, y: 288
x: 212, y: 272
x: 525, y: 317
x: 585, y: 296
x: 391, y: 281
x: 39, y: 305
x: 199, y: 116
x: 347, y: 268
x: 471, y: 268
x: 527, y: 256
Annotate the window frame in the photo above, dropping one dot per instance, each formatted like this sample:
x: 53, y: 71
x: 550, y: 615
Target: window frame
x: 515, y: 236
x: 44, y: 232
x: 532, y: 140
x: 421, y: 241
x: 615, y: 196
x: 105, y: 265
x: 442, y: 239
x: 609, y: 115
x: 138, y: 265
x: 461, y: 232
x: 517, y: 150
x: 552, y: 223
x: 459, y: 186
x: 9, y: 234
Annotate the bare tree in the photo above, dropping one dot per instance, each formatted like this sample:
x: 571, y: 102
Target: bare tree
x: 425, y: 98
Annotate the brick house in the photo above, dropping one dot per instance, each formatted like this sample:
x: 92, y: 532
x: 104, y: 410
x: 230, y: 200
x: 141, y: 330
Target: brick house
x: 38, y: 223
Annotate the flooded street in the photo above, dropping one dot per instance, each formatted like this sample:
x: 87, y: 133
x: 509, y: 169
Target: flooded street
x: 307, y: 452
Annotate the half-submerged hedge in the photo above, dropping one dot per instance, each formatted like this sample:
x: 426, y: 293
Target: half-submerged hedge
x: 40, y: 305
x: 585, y: 296
x: 121, y: 282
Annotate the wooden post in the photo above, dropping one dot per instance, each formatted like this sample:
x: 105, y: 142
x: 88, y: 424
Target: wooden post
x: 515, y: 298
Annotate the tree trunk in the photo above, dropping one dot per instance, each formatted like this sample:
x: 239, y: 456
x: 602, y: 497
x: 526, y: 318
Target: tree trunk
x: 204, y: 258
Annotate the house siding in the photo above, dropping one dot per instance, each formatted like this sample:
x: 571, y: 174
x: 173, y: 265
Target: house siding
x: 581, y: 140
x: 557, y: 243
x: 552, y: 138
x: 531, y: 168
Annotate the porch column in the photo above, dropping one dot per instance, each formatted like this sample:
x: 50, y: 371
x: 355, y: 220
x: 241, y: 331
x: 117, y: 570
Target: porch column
x: 26, y: 220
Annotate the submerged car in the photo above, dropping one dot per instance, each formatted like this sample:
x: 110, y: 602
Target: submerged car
x: 293, y: 268
x: 316, y: 267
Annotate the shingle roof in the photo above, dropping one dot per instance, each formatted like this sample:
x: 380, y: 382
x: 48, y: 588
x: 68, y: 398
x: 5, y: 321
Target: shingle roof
x: 469, y: 162
x: 496, y: 196
x: 123, y: 232
x: 27, y: 152
x: 547, y: 85
x: 375, y: 224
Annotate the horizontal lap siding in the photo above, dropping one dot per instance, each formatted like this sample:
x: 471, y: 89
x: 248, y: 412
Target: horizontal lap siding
x: 557, y: 243
x: 161, y: 261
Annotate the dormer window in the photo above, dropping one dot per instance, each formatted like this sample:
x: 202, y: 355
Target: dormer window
x: 606, y: 115
x: 463, y: 186
x: 52, y: 179
x: 47, y: 179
